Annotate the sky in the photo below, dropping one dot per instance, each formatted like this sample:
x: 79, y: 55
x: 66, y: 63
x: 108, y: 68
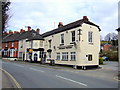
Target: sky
x: 46, y: 14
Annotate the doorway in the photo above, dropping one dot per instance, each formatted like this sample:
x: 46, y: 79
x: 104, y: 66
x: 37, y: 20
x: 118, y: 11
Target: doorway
x: 35, y: 57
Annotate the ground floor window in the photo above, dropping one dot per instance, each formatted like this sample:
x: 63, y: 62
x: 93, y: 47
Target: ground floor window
x: 49, y: 54
x: 58, y: 56
x: 65, y: 56
x: 20, y: 54
x: 11, y: 52
x: 41, y: 54
x: 89, y: 57
x: 73, y: 56
x: 5, y: 53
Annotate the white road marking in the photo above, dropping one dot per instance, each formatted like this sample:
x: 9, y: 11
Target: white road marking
x: 18, y: 65
x: 36, y: 69
x: 71, y: 80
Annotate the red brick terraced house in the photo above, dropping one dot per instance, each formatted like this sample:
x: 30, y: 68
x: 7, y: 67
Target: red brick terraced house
x: 10, y: 42
x: 10, y: 45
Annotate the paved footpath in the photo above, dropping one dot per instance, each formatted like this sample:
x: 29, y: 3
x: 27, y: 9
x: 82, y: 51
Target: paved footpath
x: 8, y: 81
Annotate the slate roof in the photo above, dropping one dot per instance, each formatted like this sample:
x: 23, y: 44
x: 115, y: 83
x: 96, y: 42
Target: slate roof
x: 22, y: 35
x: 35, y: 36
x: 118, y: 29
x: 69, y: 26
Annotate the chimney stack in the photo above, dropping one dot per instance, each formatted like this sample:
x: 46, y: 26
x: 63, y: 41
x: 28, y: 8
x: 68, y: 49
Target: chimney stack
x: 15, y: 32
x: 38, y: 30
x: 85, y: 18
x: 22, y: 30
x: 5, y: 33
x: 10, y: 32
x: 60, y: 24
x: 29, y: 28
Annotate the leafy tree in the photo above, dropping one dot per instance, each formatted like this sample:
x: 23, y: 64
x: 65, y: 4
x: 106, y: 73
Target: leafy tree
x: 5, y: 14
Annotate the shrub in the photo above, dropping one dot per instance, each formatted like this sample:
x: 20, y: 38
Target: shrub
x: 112, y: 55
x: 100, y: 60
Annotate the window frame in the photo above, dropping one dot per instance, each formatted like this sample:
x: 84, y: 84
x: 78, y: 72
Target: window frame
x: 65, y: 56
x: 73, y: 36
x: 58, y: 56
x: 12, y: 44
x: 62, y: 41
x: 90, y: 57
x: 72, y: 56
x: 90, y: 37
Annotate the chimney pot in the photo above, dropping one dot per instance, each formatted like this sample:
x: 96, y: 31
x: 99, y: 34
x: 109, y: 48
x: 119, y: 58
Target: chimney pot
x: 29, y: 28
x: 38, y: 30
x: 85, y: 18
x: 10, y: 32
x: 22, y: 30
x: 5, y: 33
x: 60, y: 24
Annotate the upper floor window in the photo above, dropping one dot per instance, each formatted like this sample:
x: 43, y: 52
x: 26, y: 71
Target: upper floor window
x: 62, y: 38
x: 73, y: 36
x: 49, y: 43
x: 90, y: 37
x: 12, y: 44
x: 6, y: 45
x: 41, y: 43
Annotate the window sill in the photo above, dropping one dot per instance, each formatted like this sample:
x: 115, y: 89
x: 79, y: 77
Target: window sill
x: 90, y: 43
x: 61, y: 44
x: 72, y: 42
x: 72, y: 60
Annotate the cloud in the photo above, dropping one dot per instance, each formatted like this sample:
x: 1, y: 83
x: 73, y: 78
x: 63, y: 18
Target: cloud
x: 46, y: 14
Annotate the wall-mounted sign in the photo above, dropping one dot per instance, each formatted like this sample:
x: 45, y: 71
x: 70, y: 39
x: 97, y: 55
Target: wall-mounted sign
x: 30, y: 50
x: 65, y: 47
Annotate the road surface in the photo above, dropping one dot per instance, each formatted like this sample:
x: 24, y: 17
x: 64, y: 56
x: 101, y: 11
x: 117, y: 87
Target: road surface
x: 30, y: 76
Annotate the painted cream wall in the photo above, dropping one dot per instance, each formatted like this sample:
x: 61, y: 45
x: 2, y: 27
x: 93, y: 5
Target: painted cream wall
x: 36, y: 45
x: 88, y: 48
x: 83, y: 47
x: 56, y: 42
x: 24, y: 45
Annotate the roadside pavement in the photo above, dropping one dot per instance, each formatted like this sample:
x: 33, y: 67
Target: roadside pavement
x: 8, y: 80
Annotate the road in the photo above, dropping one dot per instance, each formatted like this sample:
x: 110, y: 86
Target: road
x: 30, y: 76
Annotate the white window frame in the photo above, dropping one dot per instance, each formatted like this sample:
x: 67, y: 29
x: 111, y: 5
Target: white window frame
x: 62, y: 37
x: 58, y: 56
x: 65, y: 56
x: 73, y: 56
x: 12, y: 44
x: 72, y: 36
x: 41, y: 43
x: 90, y: 37
x: 6, y: 45
x: 50, y: 55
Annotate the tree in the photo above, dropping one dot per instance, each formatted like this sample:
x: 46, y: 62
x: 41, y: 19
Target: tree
x: 5, y: 14
x: 111, y: 36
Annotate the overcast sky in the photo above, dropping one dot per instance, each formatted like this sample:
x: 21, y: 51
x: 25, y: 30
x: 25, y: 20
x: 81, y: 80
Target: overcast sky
x: 46, y: 14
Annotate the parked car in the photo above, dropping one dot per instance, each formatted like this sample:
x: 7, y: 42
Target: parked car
x: 105, y: 58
